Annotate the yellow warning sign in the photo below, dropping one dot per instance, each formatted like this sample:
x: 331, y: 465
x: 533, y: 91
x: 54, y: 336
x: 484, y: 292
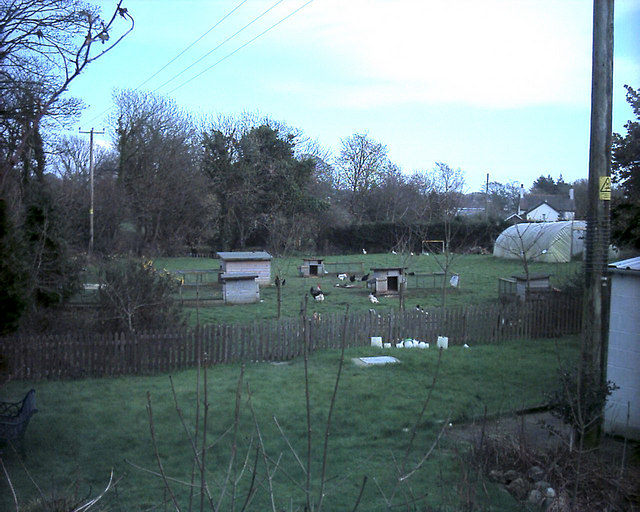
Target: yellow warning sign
x: 605, y: 188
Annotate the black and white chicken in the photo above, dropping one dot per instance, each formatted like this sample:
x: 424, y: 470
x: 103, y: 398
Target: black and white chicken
x: 317, y: 293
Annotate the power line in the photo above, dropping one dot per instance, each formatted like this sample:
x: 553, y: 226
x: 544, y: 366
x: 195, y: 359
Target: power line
x: 223, y: 42
x: 177, y: 56
x: 241, y: 47
x: 192, y: 44
x: 226, y: 56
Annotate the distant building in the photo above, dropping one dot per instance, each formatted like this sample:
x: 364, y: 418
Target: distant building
x: 473, y: 204
x: 546, y: 207
x: 258, y: 262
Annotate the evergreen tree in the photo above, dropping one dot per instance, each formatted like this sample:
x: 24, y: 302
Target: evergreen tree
x: 625, y: 164
x: 13, y: 295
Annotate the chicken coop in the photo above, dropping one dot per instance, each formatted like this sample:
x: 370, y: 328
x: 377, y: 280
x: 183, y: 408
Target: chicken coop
x: 257, y: 262
x: 515, y: 287
x: 240, y: 288
x: 312, y: 267
x: 387, y: 280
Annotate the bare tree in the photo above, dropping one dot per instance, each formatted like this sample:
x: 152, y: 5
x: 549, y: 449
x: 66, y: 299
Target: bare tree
x: 359, y: 166
x: 448, y: 185
x: 159, y: 172
x: 523, y: 242
x: 45, y: 45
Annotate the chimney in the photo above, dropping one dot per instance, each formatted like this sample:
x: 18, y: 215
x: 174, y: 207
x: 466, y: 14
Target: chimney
x: 521, y: 191
x: 572, y: 194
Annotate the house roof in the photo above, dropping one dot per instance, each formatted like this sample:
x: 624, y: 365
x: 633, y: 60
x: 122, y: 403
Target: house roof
x: 238, y: 256
x: 630, y: 264
x: 560, y: 203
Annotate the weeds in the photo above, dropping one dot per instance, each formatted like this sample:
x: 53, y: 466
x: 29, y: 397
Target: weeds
x: 252, y: 468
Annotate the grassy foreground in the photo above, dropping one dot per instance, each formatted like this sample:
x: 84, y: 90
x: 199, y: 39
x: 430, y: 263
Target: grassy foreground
x: 85, y: 428
x: 478, y: 284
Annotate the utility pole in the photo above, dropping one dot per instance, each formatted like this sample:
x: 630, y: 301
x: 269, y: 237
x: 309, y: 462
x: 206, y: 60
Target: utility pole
x: 486, y: 199
x: 91, y: 133
x: 596, y: 309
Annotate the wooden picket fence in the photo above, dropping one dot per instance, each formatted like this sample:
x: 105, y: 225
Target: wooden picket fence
x: 96, y: 355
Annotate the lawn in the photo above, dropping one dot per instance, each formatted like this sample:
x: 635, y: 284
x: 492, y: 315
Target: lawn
x: 85, y: 428
x: 478, y: 284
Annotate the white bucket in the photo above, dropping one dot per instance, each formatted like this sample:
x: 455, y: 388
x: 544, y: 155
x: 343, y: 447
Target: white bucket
x: 376, y: 341
x: 443, y: 342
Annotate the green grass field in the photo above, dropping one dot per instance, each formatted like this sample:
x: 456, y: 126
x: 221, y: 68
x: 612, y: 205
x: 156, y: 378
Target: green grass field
x: 478, y: 284
x: 85, y: 428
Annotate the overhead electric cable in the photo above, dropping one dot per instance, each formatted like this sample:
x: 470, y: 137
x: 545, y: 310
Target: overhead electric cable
x: 177, y: 56
x: 241, y: 47
x: 223, y: 42
x: 192, y: 44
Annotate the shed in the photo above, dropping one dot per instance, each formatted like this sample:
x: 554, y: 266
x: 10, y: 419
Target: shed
x: 240, y: 288
x: 312, y: 267
x: 538, y: 284
x: 387, y: 280
x: 549, y: 242
x: 623, y: 356
x: 258, y: 262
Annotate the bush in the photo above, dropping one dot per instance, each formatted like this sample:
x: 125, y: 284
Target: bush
x: 580, y: 408
x: 136, y: 296
x: 382, y: 236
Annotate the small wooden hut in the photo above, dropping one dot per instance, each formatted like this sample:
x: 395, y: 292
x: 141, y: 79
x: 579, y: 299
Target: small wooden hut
x: 312, y: 267
x: 538, y: 284
x: 240, y: 288
x: 257, y: 262
x: 387, y: 280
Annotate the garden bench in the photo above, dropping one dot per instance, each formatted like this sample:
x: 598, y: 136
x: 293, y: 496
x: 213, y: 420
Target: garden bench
x: 14, y: 418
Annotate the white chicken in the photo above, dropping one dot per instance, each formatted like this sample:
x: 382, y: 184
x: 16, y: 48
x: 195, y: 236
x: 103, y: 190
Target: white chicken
x: 373, y: 299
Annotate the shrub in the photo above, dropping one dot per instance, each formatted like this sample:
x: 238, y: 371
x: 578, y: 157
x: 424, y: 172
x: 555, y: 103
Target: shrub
x: 582, y: 406
x: 136, y: 296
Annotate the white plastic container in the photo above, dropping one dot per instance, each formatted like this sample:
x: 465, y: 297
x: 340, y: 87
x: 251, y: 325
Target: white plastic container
x: 376, y: 341
x: 443, y: 342
x: 386, y: 345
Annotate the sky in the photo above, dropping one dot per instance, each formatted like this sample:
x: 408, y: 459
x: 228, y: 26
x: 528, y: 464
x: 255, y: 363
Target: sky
x: 498, y: 86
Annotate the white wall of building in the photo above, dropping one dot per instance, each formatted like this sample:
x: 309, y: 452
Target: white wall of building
x: 623, y: 362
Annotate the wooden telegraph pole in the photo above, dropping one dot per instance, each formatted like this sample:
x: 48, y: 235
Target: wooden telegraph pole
x: 91, y: 133
x: 595, y: 320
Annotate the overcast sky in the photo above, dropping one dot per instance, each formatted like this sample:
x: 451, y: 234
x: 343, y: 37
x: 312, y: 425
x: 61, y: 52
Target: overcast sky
x: 492, y: 86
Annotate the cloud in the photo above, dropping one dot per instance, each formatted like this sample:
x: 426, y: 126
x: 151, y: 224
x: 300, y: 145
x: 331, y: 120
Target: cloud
x: 495, y: 53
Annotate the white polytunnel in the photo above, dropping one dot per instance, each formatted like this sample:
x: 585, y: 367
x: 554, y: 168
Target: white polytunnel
x: 549, y: 242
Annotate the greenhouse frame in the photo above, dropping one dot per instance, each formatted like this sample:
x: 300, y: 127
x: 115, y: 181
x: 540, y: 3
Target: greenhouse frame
x: 548, y: 242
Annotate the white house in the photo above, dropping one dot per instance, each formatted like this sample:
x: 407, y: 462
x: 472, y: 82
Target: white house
x: 623, y: 357
x: 546, y: 207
